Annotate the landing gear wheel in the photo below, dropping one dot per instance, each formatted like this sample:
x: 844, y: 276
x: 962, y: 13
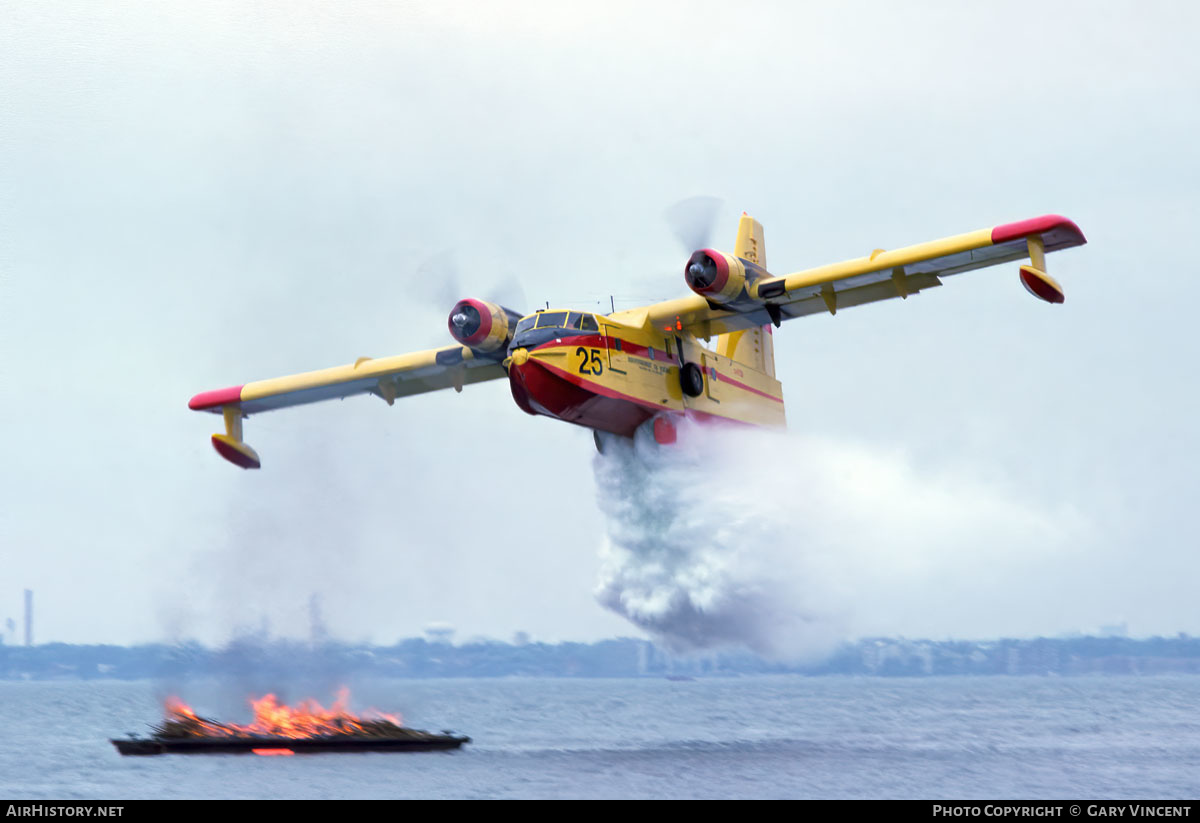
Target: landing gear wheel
x: 691, y: 380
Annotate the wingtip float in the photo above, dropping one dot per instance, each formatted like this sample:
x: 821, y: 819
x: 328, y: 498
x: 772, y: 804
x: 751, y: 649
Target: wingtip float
x: 1048, y: 233
x: 613, y: 373
x: 229, y: 445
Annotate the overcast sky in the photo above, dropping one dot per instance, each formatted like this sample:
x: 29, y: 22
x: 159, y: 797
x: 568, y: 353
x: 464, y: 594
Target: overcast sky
x: 199, y: 195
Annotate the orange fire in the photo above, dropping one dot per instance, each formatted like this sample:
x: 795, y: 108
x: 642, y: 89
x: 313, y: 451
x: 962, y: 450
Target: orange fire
x: 274, y: 719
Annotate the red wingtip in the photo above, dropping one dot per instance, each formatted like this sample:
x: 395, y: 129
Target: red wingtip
x: 1066, y: 233
x: 212, y: 399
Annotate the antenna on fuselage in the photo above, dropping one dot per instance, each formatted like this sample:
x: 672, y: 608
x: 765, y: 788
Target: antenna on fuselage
x: 612, y: 304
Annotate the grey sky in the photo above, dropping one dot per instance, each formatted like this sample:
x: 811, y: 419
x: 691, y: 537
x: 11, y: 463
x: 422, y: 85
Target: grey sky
x: 199, y: 195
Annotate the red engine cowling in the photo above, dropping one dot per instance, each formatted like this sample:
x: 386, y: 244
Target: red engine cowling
x: 482, y: 325
x: 723, y: 279
x: 715, y: 276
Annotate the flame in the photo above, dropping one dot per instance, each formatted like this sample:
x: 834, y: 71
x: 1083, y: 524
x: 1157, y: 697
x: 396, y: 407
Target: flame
x: 274, y: 719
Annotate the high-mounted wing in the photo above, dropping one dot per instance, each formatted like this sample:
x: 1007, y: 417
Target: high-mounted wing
x: 385, y: 377
x: 881, y: 275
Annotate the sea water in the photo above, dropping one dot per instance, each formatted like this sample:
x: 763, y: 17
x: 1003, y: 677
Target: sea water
x: 745, y: 737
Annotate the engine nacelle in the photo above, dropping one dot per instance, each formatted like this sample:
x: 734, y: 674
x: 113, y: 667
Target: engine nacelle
x: 719, y: 277
x: 715, y: 276
x: 482, y: 325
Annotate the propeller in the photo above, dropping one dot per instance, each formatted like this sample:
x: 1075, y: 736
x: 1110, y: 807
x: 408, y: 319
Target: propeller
x: 701, y: 271
x: 439, y: 277
x: 692, y: 221
x: 508, y: 293
x: 466, y: 320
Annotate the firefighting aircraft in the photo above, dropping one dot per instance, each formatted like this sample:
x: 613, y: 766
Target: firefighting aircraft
x: 616, y: 372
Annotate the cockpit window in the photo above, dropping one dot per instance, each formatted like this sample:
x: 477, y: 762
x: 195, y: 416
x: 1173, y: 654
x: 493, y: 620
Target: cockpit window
x: 551, y: 319
x: 557, y: 320
x: 583, y: 322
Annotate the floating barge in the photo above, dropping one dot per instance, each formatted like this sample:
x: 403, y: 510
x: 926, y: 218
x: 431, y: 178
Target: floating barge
x: 411, y: 741
x: 278, y: 729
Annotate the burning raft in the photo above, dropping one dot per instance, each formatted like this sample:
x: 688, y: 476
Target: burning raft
x: 280, y: 730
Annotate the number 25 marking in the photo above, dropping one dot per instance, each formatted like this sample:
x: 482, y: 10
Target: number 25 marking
x: 590, y: 364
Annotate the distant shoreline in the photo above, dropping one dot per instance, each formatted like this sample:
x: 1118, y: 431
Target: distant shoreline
x: 625, y: 657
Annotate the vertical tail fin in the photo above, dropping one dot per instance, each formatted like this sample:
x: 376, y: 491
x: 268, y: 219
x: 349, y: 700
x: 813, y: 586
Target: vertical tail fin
x: 754, y: 347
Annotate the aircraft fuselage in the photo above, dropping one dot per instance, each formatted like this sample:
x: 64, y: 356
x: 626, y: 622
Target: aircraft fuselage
x: 614, y: 377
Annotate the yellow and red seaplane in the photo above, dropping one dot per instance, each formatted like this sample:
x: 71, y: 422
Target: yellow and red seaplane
x: 650, y: 365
